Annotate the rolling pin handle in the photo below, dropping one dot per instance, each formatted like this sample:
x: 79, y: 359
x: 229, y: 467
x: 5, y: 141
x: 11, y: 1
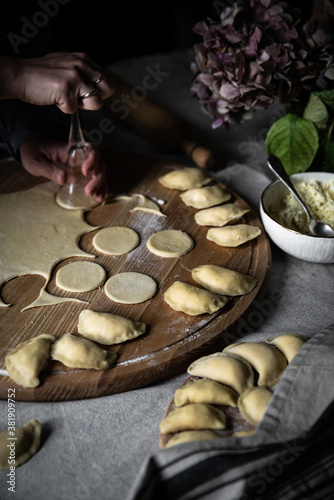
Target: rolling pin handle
x: 202, y: 156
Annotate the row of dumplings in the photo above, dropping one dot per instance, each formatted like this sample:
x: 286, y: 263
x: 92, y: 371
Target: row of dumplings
x: 217, y: 281
x: 243, y: 375
x: 26, y: 361
x: 213, y: 209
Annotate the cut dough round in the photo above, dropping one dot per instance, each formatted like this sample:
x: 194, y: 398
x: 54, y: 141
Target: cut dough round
x: 80, y: 276
x: 170, y: 243
x: 185, y: 178
x: 221, y: 215
x: 130, y: 288
x: 116, y: 240
x: 205, y: 197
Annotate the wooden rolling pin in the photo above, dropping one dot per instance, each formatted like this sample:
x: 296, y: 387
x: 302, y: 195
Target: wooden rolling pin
x: 158, y: 125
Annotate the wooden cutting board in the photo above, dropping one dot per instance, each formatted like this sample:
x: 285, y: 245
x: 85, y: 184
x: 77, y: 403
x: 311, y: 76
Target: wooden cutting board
x: 173, y: 339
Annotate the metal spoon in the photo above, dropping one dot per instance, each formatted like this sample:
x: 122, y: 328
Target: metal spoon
x: 315, y: 228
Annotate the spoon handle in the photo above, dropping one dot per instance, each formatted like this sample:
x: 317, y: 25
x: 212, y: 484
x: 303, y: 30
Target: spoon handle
x: 276, y: 166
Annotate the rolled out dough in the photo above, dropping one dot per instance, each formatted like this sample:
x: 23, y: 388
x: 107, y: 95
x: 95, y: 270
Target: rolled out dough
x: 170, y: 243
x: 36, y: 234
x: 80, y: 276
x: 130, y: 288
x: 116, y: 240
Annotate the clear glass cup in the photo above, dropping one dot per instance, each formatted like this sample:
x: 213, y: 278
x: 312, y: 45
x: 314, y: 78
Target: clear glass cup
x: 72, y: 195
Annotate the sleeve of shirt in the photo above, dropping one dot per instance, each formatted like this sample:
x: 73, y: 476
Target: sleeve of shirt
x: 20, y: 121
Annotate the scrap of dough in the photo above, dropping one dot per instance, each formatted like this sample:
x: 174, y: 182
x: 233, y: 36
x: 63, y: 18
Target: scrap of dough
x: 185, y: 178
x: 116, y: 240
x: 289, y: 344
x: 221, y: 215
x: 27, y: 442
x: 107, y: 328
x: 36, y: 234
x: 226, y: 368
x: 190, y: 436
x: 147, y: 205
x: 205, y: 391
x: 130, y: 288
x: 264, y: 358
x: 233, y: 236
x: 253, y: 404
x: 223, y: 281
x: 25, y: 362
x: 77, y: 352
x: 205, y: 197
x: 80, y: 276
x: 193, y: 416
x: 170, y: 243
x: 193, y: 300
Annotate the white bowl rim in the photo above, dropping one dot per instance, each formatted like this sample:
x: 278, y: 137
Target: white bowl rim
x: 299, y: 174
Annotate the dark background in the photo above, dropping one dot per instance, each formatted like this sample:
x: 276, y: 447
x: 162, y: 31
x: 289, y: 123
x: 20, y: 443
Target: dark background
x: 106, y: 30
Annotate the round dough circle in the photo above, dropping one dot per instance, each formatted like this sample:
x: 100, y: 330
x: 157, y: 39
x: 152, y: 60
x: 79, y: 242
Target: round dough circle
x: 80, y: 276
x: 130, y: 288
x: 116, y: 240
x: 170, y: 243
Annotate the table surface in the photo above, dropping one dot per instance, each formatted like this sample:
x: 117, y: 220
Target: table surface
x: 96, y: 447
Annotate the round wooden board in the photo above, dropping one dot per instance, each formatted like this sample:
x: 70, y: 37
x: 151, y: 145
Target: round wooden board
x: 173, y: 339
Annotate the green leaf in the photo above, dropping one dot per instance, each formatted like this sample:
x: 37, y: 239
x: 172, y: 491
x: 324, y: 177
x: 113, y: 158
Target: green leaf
x: 329, y: 152
x: 327, y: 96
x: 294, y: 141
x: 316, y: 112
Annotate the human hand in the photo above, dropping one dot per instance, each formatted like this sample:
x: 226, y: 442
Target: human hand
x: 47, y: 158
x: 58, y: 78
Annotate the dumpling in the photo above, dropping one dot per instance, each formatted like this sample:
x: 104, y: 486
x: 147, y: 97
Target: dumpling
x: 185, y: 178
x: 253, y: 404
x: 193, y: 300
x: 16, y: 452
x: 264, y: 358
x: 25, y: 362
x: 77, y: 352
x: 233, y: 236
x: 226, y: 368
x: 205, y: 197
x: 221, y: 215
x: 205, y: 391
x: 107, y: 328
x: 223, y: 281
x: 289, y: 344
x: 193, y: 416
x: 190, y: 436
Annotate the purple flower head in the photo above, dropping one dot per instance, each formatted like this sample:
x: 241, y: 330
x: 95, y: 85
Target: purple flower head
x: 257, y: 51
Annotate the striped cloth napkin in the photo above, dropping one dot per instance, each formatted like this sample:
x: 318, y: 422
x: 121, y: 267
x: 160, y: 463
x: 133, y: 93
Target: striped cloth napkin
x: 290, y: 457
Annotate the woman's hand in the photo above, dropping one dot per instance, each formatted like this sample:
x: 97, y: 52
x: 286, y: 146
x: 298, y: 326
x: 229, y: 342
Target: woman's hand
x: 46, y: 158
x: 58, y: 78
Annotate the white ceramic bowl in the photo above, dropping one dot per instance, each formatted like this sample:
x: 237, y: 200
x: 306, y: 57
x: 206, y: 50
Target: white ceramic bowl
x: 304, y: 247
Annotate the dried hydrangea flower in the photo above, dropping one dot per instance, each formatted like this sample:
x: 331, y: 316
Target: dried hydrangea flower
x: 258, y: 51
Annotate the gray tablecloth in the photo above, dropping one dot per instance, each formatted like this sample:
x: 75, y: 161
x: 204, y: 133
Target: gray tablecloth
x: 96, y: 448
